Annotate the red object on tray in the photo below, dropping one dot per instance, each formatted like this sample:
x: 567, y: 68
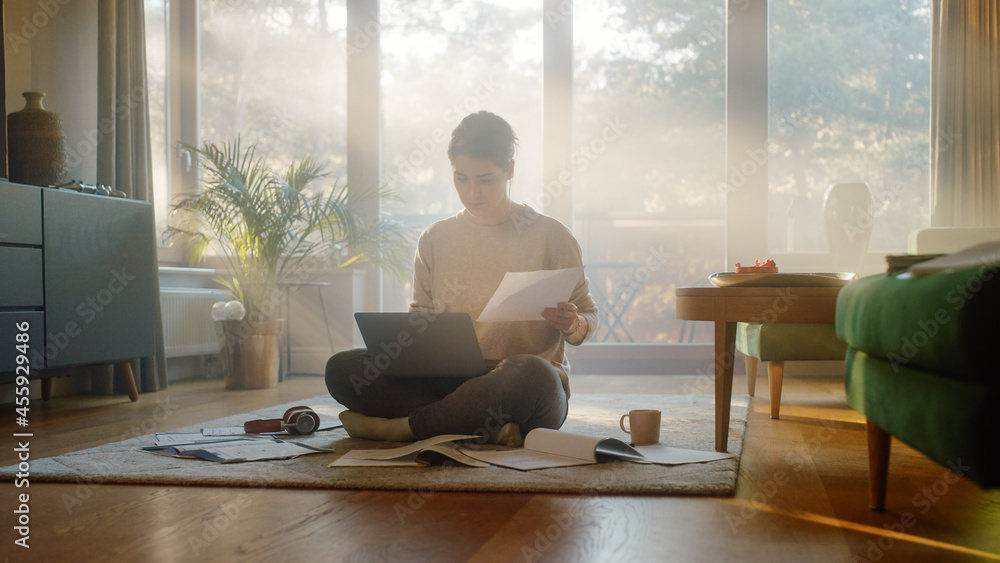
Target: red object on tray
x: 766, y: 267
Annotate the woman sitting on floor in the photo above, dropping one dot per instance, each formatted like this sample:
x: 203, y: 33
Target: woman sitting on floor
x: 459, y: 264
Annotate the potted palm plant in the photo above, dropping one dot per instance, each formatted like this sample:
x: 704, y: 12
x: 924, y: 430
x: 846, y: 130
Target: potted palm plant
x: 271, y: 228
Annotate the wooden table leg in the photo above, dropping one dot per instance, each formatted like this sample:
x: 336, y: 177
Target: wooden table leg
x: 725, y: 351
x: 124, y: 370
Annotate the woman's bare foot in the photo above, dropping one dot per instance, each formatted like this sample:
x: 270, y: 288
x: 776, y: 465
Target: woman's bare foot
x: 508, y: 435
x: 358, y: 425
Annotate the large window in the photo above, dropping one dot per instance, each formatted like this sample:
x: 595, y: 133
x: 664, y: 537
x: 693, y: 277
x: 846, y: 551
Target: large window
x: 846, y: 90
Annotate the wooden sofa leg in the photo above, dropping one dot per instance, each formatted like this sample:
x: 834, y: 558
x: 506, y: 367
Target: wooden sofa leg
x: 751, y: 365
x: 878, y: 464
x: 775, y: 373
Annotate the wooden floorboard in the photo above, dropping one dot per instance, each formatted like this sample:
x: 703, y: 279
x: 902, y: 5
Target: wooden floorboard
x: 802, y: 496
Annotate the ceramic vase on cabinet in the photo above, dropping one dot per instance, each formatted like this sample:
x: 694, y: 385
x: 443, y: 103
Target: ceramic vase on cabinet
x: 848, y: 218
x: 36, y: 144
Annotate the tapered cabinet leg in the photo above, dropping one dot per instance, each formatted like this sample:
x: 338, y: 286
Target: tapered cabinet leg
x: 124, y: 370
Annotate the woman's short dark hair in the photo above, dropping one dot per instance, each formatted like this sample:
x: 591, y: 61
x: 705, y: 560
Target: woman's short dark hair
x: 484, y: 135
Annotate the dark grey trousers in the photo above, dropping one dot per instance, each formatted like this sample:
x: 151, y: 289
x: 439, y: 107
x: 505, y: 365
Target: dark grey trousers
x: 522, y: 389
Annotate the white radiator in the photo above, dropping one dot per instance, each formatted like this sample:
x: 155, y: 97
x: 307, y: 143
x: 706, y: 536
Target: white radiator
x: 188, y: 328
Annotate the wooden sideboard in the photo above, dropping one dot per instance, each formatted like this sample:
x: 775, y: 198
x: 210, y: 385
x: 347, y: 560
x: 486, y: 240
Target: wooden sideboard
x: 81, y: 270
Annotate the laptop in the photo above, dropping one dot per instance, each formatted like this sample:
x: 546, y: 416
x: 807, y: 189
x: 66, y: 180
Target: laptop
x: 422, y: 344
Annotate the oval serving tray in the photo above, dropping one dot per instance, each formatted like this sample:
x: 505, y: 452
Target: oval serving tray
x: 821, y: 279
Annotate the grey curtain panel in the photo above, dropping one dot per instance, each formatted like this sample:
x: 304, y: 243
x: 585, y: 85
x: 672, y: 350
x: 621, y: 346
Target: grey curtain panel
x: 123, y: 156
x: 965, y: 113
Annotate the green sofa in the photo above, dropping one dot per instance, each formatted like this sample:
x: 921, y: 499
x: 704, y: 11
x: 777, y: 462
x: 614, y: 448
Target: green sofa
x: 921, y: 365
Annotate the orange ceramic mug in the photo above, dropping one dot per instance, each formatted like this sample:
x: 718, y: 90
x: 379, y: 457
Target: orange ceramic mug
x: 644, y: 426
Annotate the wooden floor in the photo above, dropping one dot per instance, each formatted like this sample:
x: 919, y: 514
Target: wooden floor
x: 802, y: 496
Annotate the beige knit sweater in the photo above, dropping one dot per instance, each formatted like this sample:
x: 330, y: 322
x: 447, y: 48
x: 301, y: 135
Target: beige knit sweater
x: 459, y: 265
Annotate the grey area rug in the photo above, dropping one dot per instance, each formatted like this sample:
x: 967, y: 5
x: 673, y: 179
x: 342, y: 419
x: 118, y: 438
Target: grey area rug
x: 688, y: 422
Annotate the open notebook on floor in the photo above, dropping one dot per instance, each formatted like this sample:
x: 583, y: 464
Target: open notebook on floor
x: 543, y: 449
x: 422, y: 344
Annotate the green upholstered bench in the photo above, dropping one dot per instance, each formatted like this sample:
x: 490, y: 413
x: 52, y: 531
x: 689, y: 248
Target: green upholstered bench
x: 776, y: 343
x: 921, y: 365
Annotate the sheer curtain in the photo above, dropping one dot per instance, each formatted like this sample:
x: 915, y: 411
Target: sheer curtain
x: 965, y: 113
x: 123, y: 157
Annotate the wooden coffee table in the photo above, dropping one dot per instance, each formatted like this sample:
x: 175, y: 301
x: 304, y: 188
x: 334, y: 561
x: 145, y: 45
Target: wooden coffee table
x: 726, y: 306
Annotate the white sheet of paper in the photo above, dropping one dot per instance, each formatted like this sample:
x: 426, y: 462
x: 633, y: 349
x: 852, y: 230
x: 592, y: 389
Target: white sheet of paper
x: 169, y: 438
x: 258, y: 451
x: 521, y: 296
x: 525, y: 460
x: 406, y: 456
x: 172, y: 446
x: 224, y: 431
x: 667, y: 455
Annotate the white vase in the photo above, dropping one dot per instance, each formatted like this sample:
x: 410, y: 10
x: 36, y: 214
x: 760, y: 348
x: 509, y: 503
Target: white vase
x: 848, y: 218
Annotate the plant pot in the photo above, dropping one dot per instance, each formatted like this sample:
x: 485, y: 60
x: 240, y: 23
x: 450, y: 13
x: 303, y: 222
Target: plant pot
x: 253, y: 353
